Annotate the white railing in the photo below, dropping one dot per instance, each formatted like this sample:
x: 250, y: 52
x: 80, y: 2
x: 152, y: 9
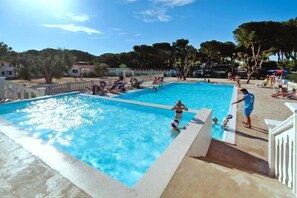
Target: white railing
x: 11, y: 91
x: 282, y: 150
x: 52, y: 89
x: 14, y: 91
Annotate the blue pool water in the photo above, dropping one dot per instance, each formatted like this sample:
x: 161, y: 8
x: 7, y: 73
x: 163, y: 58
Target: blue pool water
x: 122, y: 140
x: 194, y: 95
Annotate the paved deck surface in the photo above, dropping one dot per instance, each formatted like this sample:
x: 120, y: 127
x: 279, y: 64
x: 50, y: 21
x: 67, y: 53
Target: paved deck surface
x: 238, y: 170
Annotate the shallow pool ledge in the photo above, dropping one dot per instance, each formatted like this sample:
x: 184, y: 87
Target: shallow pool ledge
x: 194, y: 142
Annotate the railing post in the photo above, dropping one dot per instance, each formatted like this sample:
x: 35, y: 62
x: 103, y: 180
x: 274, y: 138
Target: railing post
x: 124, y: 73
x: 271, y: 154
x: 2, y: 81
x: 68, y: 87
x: 295, y: 154
x: 14, y: 93
x: 41, y: 91
x: 92, y: 84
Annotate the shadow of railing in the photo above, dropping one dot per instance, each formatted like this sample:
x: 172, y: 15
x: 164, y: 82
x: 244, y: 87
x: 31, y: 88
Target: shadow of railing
x: 227, y: 155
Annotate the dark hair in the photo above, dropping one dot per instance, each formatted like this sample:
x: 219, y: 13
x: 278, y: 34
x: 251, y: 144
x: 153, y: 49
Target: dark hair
x: 244, y: 90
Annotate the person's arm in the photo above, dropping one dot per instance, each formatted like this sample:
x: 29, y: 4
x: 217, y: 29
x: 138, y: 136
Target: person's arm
x: 185, y: 108
x: 174, y: 108
x: 238, y: 101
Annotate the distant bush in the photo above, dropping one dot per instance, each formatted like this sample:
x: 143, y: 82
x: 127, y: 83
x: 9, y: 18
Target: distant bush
x: 101, y: 69
x: 292, y: 77
x: 91, y: 74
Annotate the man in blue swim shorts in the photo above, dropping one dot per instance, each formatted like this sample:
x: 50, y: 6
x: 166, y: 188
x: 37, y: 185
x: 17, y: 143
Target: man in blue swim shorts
x: 248, y: 106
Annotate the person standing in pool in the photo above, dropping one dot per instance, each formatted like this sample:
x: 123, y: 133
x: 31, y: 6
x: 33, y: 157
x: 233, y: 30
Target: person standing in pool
x: 248, y: 106
x: 179, y: 107
x: 175, y: 127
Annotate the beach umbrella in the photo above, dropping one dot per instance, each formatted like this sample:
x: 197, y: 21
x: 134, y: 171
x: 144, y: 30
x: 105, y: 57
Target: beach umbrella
x: 281, y: 71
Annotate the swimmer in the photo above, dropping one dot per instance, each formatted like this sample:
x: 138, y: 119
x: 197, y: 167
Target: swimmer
x: 215, y: 120
x: 179, y: 107
x: 226, y: 121
x: 174, y: 125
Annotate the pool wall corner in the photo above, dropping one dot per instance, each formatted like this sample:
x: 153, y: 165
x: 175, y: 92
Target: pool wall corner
x: 194, y: 141
x: 202, y: 141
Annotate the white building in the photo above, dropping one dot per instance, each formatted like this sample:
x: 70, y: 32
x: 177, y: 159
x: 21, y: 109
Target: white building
x: 7, y: 70
x: 80, y: 68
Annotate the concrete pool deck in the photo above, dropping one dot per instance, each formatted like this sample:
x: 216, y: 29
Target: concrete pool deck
x: 238, y: 170
x: 227, y: 170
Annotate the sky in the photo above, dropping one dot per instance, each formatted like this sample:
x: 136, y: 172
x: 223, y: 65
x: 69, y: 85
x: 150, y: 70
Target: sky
x: 115, y: 26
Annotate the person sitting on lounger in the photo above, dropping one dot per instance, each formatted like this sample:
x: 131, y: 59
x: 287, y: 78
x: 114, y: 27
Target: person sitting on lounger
x: 281, y: 92
x: 292, y: 94
x: 265, y: 82
x: 118, y: 85
x: 101, y: 87
x: 157, y: 80
x: 136, y: 83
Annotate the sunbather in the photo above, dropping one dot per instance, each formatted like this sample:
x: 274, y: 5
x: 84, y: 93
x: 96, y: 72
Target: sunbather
x: 283, y: 91
x: 101, y: 87
x: 98, y: 89
x: 119, y: 87
x: 158, y: 80
x: 265, y: 82
x: 136, y: 83
x: 292, y: 94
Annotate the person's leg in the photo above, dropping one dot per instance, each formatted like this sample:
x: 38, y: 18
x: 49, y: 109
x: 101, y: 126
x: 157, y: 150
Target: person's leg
x: 249, y: 124
x: 247, y: 113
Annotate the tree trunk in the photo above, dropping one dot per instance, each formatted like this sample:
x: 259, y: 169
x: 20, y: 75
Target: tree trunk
x: 48, y: 79
x: 248, y: 79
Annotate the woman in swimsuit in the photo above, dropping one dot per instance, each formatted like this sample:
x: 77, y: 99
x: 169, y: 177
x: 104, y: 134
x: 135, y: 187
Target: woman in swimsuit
x: 179, y: 107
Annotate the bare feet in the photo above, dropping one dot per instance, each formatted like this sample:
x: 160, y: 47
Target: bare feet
x: 244, y: 122
x: 246, y: 126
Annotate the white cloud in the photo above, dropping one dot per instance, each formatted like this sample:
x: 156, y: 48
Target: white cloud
x: 73, y: 28
x: 137, y: 34
x: 129, y: 1
x: 78, y: 17
x: 173, y: 3
x: 122, y: 33
x: 130, y: 40
x: 155, y: 14
x: 98, y: 37
x: 160, y: 8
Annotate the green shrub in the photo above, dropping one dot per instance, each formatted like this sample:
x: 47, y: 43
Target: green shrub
x: 292, y: 77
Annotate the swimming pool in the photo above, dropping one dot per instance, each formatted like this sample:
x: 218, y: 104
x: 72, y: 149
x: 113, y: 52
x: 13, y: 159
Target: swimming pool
x: 108, y: 135
x: 194, y: 95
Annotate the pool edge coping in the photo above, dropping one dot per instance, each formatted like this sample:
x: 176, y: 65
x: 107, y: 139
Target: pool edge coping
x: 87, y: 178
